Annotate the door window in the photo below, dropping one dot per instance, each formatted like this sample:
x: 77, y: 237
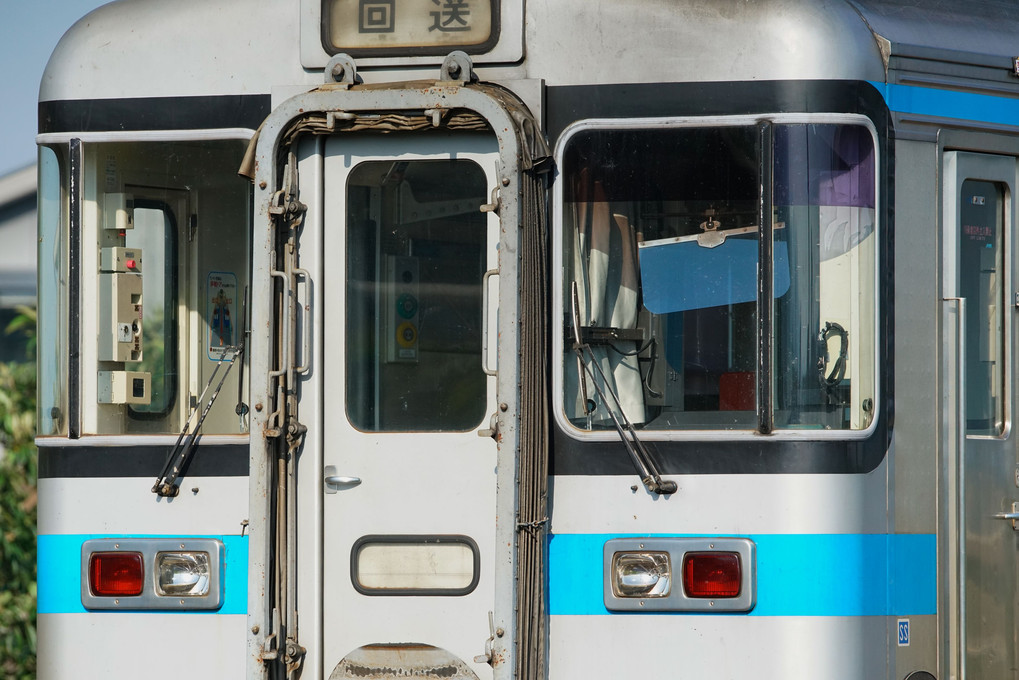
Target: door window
x: 981, y: 279
x: 155, y: 235
x: 416, y: 253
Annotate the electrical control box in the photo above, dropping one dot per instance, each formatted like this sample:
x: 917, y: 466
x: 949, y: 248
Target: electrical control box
x: 121, y: 259
x: 120, y: 306
x: 401, y: 309
x: 125, y: 387
x: 120, y: 316
x: 119, y: 212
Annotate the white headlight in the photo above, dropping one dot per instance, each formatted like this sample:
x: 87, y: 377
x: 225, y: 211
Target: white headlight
x: 641, y: 574
x: 182, y: 574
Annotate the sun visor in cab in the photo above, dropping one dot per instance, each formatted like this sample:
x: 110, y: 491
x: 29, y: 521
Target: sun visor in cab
x: 695, y: 272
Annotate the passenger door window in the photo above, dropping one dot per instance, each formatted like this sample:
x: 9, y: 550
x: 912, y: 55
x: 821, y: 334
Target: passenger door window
x: 981, y: 283
x: 416, y: 253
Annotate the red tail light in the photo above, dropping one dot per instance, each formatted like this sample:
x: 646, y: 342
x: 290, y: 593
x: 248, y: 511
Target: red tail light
x: 115, y: 574
x: 712, y: 574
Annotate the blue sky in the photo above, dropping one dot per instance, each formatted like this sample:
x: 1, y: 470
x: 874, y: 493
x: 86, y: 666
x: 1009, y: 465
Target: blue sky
x: 29, y: 30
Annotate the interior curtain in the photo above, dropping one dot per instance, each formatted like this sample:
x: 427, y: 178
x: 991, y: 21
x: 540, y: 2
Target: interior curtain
x: 605, y: 269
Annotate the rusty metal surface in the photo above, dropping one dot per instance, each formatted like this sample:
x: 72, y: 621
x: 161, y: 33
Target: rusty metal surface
x: 382, y: 662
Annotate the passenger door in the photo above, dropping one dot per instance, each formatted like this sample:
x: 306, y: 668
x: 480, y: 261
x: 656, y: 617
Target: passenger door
x: 982, y: 472
x: 409, y: 486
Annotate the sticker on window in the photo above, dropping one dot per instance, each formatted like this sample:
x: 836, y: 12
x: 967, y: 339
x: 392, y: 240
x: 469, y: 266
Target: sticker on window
x: 222, y: 302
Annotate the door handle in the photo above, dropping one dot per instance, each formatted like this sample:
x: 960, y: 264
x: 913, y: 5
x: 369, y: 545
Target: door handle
x: 337, y: 480
x: 1014, y: 516
x: 333, y: 481
x: 486, y: 282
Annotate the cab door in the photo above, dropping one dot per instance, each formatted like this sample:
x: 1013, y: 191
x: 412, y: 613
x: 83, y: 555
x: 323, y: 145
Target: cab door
x: 408, y: 486
x: 980, y: 319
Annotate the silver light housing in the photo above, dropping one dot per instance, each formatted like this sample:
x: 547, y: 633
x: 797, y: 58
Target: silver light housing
x: 180, y: 573
x: 638, y: 574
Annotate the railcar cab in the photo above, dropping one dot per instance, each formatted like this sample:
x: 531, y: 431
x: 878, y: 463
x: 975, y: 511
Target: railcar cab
x: 480, y: 279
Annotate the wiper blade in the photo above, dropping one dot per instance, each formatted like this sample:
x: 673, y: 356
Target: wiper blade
x: 166, y: 484
x: 643, y: 461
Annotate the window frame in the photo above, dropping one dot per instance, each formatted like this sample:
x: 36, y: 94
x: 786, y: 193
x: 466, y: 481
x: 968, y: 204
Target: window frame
x: 54, y: 293
x: 997, y: 167
x: 77, y: 226
x: 559, y: 310
x: 171, y: 324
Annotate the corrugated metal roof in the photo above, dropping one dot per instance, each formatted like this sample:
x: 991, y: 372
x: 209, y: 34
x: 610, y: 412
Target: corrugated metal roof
x: 974, y: 32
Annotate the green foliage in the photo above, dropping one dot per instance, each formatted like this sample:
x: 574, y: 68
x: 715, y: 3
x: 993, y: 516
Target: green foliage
x: 24, y: 323
x: 18, y: 470
x: 154, y: 361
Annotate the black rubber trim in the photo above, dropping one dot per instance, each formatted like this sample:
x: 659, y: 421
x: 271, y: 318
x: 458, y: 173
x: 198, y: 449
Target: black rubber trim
x: 565, y: 105
x: 758, y: 456
x: 154, y: 113
x: 80, y: 462
x: 74, y: 302
x: 765, y: 277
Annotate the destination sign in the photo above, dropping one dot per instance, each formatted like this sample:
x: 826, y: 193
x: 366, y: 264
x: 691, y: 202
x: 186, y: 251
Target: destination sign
x: 415, y: 25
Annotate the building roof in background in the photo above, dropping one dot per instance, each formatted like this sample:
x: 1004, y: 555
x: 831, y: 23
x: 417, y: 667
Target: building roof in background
x: 18, y: 237
x: 18, y: 186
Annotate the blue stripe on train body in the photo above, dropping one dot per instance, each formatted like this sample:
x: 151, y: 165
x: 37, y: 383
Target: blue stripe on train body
x: 797, y: 574
x: 59, y: 577
x: 940, y: 103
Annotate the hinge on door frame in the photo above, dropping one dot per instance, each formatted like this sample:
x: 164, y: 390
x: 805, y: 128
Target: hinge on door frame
x: 494, y: 632
x: 493, y: 205
x: 287, y: 215
x: 493, y: 428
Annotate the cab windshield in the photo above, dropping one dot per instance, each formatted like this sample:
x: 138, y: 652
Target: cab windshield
x: 661, y: 245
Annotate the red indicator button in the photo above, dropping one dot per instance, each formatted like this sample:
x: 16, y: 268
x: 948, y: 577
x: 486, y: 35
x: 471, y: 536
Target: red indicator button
x: 712, y: 574
x: 131, y: 264
x: 115, y: 574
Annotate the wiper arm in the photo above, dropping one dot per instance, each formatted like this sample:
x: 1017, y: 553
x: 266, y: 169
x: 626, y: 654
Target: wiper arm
x: 167, y: 483
x: 642, y: 460
x: 242, y: 409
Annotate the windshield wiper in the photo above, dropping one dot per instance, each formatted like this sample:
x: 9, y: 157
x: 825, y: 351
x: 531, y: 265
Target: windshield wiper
x: 167, y: 483
x: 642, y: 460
